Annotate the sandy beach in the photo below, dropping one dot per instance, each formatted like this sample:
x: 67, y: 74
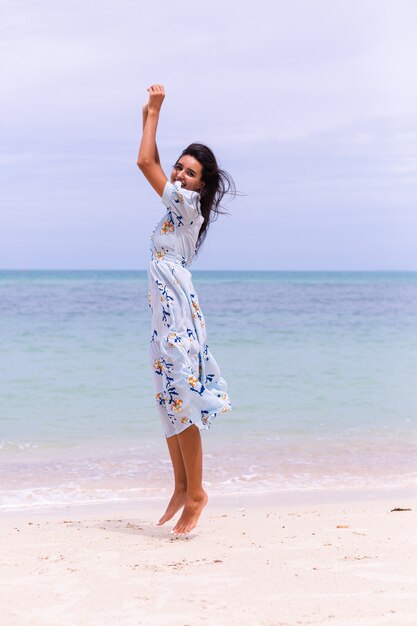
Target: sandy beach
x: 345, y: 559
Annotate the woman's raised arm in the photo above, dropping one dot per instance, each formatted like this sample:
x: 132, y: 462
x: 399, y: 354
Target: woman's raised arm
x: 144, y: 118
x: 148, y: 157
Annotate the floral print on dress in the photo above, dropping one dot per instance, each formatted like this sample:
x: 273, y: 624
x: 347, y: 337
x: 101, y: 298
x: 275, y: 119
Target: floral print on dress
x: 196, y: 307
x: 160, y: 399
x: 174, y: 338
x: 188, y: 384
x: 160, y: 254
x: 167, y: 227
x: 177, y: 404
x: 165, y: 298
x: 192, y: 380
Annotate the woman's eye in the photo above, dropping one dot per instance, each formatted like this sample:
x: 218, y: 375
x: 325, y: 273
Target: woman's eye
x: 190, y: 174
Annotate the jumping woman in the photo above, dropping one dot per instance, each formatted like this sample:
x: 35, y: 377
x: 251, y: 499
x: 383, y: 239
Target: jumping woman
x: 190, y: 391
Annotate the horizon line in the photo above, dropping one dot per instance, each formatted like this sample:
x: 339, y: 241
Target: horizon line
x: 112, y: 269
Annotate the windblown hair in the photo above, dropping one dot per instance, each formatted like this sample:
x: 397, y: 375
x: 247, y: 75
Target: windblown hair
x: 217, y: 183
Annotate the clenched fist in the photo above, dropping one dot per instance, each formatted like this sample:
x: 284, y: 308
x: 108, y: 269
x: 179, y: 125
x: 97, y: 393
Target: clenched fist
x: 156, y: 97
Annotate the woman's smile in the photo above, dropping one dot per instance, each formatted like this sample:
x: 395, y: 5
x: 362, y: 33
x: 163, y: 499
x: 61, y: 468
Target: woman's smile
x: 188, y: 171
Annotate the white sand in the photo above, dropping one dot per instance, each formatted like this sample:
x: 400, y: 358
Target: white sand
x: 267, y: 564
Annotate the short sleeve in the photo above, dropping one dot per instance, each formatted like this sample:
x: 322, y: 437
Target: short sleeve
x: 182, y: 202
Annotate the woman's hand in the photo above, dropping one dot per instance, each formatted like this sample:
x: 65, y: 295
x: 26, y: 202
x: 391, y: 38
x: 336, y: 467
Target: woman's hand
x: 156, y: 97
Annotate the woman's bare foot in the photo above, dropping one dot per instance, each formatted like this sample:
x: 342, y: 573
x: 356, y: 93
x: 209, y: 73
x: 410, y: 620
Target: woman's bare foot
x: 192, y: 511
x: 177, y: 501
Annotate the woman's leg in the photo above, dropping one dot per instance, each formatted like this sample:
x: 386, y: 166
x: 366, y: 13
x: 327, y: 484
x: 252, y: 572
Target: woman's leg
x: 180, y: 478
x: 196, y: 498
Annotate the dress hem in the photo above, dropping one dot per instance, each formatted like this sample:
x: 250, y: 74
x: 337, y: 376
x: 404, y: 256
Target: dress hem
x: 209, y: 419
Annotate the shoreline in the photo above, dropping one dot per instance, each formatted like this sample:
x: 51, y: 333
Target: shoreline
x: 129, y: 477
x: 217, y: 502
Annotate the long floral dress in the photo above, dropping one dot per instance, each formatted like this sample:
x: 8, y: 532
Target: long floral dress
x: 188, y: 384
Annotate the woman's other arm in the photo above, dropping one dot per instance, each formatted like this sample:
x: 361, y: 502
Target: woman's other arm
x: 148, y: 157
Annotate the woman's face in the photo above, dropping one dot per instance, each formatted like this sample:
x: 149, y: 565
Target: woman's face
x: 188, y: 171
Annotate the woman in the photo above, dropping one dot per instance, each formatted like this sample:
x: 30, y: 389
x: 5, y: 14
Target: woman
x: 190, y: 391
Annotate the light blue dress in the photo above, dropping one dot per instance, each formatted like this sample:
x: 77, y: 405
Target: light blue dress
x: 188, y: 384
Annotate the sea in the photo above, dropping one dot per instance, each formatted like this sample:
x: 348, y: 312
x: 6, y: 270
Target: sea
x: 321, y: 370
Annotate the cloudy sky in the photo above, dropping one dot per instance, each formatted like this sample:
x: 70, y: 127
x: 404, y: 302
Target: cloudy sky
x: 310, y: 104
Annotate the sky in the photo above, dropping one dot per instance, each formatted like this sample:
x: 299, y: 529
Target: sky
x: 311, y: 105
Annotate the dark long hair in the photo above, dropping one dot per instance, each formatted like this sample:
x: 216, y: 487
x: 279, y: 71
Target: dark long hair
x: 217, y: 183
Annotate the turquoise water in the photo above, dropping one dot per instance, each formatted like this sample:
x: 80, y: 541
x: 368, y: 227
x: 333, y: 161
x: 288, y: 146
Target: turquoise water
x: 321, y: 368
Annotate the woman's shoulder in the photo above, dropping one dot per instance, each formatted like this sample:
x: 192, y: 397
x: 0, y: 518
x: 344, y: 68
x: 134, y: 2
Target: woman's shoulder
x: 177, y: 197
